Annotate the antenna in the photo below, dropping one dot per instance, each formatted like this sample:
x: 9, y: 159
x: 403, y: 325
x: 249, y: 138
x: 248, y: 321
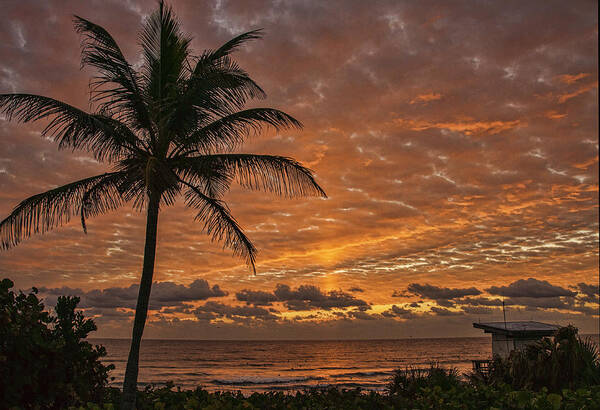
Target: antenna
x: 504, y: 313
x: 506, y: 335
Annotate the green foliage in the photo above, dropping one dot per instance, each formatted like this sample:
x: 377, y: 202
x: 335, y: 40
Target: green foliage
x: 409, y: 382
x: 565, y: 361
x: 462, y: 396
x: 44, y: 363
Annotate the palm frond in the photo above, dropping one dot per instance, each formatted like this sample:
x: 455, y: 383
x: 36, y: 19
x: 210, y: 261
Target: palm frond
x: 213, y: 90
x: 222, y: 87
x: 216, y: 86
x: 209, y: 177
x: 280, y: 175
x: 105, y: 137
x: 234, y: 43
x: 165, y: 51
x: 230, y: 131
x: 105, y: 195
x: 218, y: 82
x: 43, y: 212
x: 229, y: 75
x: 116, y: 87
x: 220, y: 224
x: 147, y: 174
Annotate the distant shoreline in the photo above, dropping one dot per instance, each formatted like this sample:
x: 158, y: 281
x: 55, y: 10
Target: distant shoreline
x: 296, y: 340
x: 592, y: 335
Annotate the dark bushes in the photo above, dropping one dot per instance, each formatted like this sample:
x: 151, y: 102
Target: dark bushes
x: 461, y: 397
x: 564, y: 362
x: 44, y: 362
x: 410, y: 381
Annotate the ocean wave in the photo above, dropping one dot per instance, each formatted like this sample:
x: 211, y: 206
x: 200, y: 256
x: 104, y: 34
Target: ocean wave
x: 253, y: 380
x: 177, y: 375
x: 337, y: 368
x: 364, y: 373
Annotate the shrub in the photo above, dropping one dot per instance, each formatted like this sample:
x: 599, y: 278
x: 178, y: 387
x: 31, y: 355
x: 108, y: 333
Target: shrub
x: 411, y: 380
x: 462, y: 397
x: 44, y: 363
x: 564, y: 362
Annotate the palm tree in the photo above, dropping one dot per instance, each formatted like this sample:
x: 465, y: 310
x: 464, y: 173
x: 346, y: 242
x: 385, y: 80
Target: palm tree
x: 169, y: 128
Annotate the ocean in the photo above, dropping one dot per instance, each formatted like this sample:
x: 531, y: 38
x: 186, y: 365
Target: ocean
x: 255, y: 366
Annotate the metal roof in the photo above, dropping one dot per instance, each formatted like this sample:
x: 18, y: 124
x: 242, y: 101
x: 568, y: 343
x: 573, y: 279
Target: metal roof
x: 518, y: 328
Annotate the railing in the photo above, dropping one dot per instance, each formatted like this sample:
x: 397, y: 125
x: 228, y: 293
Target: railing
x: 481, y: 366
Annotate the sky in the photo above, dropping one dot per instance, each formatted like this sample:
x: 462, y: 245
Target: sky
x: 457, y: 143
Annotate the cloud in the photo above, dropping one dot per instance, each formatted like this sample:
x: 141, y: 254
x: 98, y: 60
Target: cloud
x: 588, y: 289
x: 255, y: 297
x: 307, y: 297
x: 551, y: 302
x: 480, y: 301
x: 572, y: 78
x: 435, y: 292
x: 108, y: 313
x: 212, y: 310
x: 584, y: 89
x: 162, y: 294
x: 466, y: 127
x: 444, y: 312
x: 397, y: 311
x: 304, y: 297
x: 445, y: 302
x: 356, y: 290
x: 530, y: 288
x: 478, y: 310
x: 358, y: 314
x: 425, y: 98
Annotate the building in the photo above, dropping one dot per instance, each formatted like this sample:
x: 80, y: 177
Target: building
x: 509, y: 336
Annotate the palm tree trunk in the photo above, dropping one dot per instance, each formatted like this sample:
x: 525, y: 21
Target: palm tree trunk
x: 141, y: 310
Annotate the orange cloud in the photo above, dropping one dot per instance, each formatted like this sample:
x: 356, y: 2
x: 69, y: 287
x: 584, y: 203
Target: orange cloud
x: 553, y: 115
x: 466, y: 127
x: 572, y: 78
x: 425, y: 98
x: 586, y: 164
x: 565, y: 97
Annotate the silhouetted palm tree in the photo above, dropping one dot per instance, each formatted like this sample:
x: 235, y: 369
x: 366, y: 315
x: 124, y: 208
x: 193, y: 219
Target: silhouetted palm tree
x: 169, y: 128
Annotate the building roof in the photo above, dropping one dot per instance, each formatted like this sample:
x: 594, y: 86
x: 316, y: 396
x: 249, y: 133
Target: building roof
x: 518, y: 329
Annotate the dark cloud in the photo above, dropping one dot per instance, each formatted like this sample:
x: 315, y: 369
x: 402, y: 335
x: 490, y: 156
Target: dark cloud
x: 356, y: 290
x: 589, y: 289
x: 396, y: 311
x: 212, y: 310
x: 552, y: 302
x: 444, y: 312
x: 255, y: 297
x: 163, y: 294
x: 307, y: 297
x: 530, y: 288
x: 480, y: 301
x: 400, y: 294
x: 183, y: 308
x: 589, y: 292
x: 304, y: 297
x: 445, y: 302
x: 478, y: 310
x: 358, y: 314
x: 109, y: 313
x: 435, y: 292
